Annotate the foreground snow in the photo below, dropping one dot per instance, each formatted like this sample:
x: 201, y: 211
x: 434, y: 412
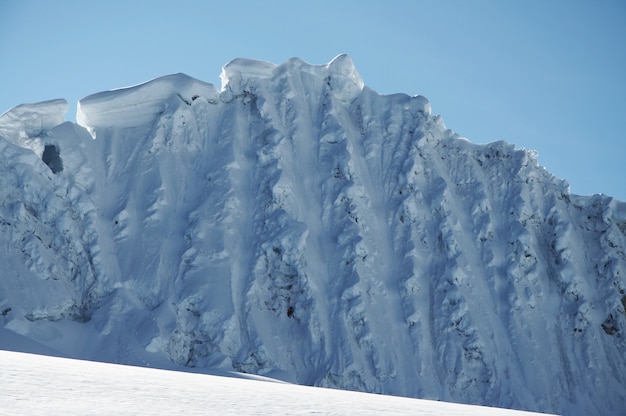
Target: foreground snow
x: 41, y: 385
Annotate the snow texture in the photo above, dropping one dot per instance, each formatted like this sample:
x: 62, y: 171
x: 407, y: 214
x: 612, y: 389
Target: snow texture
x: 298, y: 225
x: 89, y: 388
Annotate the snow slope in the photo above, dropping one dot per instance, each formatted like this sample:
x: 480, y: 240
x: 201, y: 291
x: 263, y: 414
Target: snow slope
x: 298, y: 225
x: 90, y: 388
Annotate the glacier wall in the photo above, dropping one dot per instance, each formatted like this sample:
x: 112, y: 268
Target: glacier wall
x: 297, y: 224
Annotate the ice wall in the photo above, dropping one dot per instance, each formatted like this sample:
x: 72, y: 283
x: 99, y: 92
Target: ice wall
x: 297, y: 224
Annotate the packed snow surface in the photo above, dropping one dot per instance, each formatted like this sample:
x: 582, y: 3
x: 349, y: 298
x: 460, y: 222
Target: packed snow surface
x: 40, y: 385
x: 296, y: 224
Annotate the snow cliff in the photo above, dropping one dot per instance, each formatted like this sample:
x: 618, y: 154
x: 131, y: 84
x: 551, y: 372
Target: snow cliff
x: 297, y: 224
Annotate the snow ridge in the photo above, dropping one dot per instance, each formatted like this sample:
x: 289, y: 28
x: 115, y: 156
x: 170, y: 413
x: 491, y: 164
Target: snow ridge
x: 298, y: 225
x: 134, y: 106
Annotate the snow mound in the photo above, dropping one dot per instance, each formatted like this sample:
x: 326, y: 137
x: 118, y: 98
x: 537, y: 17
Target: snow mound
x: 236, y: 71
x: 344, y: 78
x: 139, y: 104
x: 240, y: 76
x: 28, y: 121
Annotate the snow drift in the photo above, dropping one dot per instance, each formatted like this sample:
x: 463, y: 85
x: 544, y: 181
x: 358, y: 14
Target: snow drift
x: 85, y: 387
x: 297, y: 224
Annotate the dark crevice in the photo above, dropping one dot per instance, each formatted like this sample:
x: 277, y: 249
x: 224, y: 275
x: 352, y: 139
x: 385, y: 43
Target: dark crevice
x: 52, y: 158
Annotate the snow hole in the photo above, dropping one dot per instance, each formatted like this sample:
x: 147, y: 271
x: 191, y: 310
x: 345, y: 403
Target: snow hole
x: 52, y: 158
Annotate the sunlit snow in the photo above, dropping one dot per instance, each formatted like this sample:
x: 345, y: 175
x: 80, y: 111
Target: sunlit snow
x: 40, y: 385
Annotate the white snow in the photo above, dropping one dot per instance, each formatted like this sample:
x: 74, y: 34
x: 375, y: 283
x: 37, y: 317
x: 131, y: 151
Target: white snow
x: 27, y: 124
x: 41, y: 385
x: 298, y: 225
x: 140, y: 104
x: 340, y: 74
x: 29, y: 120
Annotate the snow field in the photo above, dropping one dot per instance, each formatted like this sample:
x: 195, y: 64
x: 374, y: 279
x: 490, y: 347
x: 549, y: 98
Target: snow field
x: 42, y: 385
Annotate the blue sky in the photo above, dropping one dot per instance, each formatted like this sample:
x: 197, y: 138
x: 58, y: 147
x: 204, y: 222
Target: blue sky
x: 544, y: 75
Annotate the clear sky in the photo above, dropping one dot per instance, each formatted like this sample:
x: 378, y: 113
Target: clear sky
x: 547, y: 75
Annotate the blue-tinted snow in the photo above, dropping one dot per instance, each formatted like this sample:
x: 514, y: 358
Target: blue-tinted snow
x: 299, y: 225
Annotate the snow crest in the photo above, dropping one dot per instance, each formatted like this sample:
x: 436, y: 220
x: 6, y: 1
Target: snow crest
x: 140, y: 104
x: 241, y: 76
x: 298, y: 225
x: 26, y: 124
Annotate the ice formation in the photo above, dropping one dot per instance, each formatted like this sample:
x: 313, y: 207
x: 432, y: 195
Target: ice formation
x: 296, y: 224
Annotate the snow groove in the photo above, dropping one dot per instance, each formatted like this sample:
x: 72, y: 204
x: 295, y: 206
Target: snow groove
x: 299, y: 225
